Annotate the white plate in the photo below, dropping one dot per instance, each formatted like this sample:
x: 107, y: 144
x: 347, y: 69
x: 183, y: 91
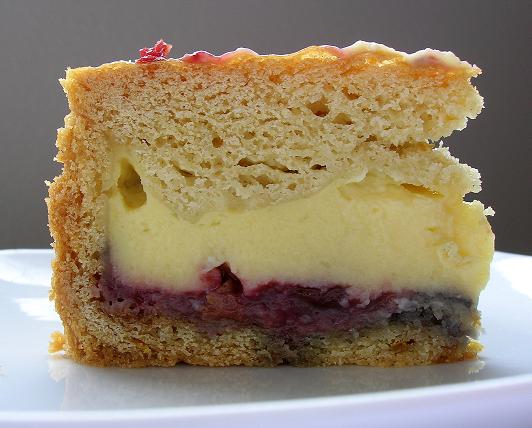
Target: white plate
x: 53, y: 391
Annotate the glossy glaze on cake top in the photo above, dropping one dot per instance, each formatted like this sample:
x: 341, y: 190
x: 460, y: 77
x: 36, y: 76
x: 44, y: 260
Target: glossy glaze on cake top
x: 422, y: 58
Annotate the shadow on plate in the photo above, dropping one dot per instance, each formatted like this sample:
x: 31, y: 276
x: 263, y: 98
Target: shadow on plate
x: 91, y: 388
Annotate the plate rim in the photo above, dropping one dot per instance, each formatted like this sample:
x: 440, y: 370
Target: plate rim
x: 521, y: 383
x: 502, y: 386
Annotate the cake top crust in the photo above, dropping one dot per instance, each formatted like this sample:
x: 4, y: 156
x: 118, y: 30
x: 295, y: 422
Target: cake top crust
x: 372, y: 53
x: 421, y: 58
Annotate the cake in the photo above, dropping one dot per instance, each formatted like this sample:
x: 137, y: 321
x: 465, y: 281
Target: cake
x: 258, y: 210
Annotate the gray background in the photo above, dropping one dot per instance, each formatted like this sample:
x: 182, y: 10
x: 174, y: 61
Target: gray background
x: 40, y: 39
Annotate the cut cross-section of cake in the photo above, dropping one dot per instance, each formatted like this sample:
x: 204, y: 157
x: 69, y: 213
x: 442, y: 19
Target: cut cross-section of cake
x: 257, y: 210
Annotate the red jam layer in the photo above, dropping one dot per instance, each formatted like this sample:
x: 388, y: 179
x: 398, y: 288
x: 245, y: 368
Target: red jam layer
x: 158, y: 52
x: 285, y: 309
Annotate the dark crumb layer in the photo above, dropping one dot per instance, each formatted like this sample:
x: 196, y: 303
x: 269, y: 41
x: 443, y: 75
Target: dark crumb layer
x: 287, y: 310
x: 160, y: 341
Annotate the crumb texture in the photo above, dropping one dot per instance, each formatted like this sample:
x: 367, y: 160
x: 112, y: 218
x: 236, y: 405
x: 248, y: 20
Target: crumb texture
x: 169, y: 342
x: 263, y: 130
x: 245, y: 133
x: 57, y: 342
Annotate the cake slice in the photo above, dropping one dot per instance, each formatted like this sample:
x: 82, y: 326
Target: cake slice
x: 259, y: 210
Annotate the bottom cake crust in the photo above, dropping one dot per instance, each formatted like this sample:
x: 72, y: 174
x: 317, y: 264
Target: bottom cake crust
x: 160, y: 341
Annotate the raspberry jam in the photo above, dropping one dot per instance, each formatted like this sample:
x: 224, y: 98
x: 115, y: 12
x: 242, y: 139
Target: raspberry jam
x: 281, y: 308
x: 159, y: 52
x: 203, y: 57
x: 200, y: 57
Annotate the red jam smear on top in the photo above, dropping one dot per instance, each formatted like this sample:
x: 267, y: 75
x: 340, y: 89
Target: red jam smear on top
x: 334, y: 50
x: 200, y: 57
x: 424, y: 58
x: 159, y: 52
x: 203, y: 57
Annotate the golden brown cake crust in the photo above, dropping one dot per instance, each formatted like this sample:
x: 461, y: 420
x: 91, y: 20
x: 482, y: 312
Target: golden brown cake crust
x: 386, y: 347
x: 76, y: 206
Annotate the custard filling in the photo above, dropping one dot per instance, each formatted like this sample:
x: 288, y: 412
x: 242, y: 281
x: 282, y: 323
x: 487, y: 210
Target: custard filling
x: 361, y: 232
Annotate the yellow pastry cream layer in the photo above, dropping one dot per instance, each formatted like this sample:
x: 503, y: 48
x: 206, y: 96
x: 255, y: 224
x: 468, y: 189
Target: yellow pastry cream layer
x: 365, y: 232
